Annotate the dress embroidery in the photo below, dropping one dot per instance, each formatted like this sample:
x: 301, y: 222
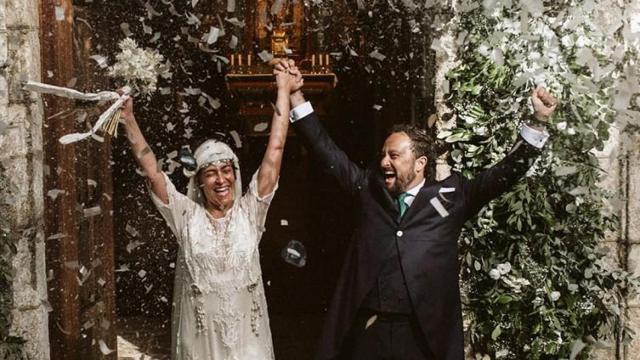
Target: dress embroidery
x: 220, y: 310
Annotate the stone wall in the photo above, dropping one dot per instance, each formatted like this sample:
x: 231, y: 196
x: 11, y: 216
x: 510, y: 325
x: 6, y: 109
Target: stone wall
x: 21, y: 123
x: 630, y: 228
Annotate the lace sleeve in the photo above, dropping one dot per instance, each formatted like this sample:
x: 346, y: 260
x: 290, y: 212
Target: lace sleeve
x: 179, y: 209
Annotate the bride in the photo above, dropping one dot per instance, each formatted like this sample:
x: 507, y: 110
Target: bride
x: 219, y: 309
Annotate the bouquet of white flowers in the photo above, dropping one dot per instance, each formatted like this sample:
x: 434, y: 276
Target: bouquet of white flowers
x: 136, y: 69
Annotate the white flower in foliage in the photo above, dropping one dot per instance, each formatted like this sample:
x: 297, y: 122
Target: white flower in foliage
x: 504, y: 268
x: 494, y: 274
x: 555, y: 295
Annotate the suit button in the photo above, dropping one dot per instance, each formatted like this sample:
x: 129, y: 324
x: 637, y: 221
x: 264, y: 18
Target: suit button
x: 399, y: 233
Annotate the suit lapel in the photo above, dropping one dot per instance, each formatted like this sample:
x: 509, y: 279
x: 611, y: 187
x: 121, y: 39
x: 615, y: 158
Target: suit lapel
x: 422, y: 199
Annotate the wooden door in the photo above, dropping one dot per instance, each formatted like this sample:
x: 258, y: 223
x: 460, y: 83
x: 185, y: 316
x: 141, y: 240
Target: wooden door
x: 79, y: 190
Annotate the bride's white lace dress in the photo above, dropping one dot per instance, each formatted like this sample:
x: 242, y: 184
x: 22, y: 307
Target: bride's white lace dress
x: 220, y: 311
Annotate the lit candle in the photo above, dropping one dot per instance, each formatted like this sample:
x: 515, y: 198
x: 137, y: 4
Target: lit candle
x: 233, y: 63
x: 320, y: 56
x: 239, y: 59
x: 313, y: 60
x: 249, y: 60
x: 326, y: 60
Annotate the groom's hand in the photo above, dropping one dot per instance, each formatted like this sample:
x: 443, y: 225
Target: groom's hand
x: 288, y: 65
x: 544, y: 104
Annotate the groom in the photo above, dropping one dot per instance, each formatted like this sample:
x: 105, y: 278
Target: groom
x: 397, y: 296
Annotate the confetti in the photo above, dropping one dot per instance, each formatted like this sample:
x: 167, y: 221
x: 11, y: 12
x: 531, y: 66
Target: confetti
x: 295, y: 254
x: 265, y: 56
x: 131, y: 230
x: 236, y: 138
x: 126, y: 29
x: 92, y: 211
x: 100, y: 60
x: 377, y: 55
x: 57, y: 236
x: 234, y: 21
x: 104, y: 349
x: 260, y: 127
x: 213, y: 35
x: 371, y: 321
x: 435, y: 202
x: 59, y: 10
x: 233, y: 42
x: 54, y: 193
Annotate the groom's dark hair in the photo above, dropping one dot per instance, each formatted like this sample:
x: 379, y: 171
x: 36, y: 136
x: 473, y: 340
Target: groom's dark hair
x: 422, y: 142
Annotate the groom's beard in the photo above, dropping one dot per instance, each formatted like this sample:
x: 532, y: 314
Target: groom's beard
x: 401, y: 183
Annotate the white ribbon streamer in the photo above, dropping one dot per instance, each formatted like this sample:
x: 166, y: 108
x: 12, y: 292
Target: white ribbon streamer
x: 74, y: 94
x: 70, y: 93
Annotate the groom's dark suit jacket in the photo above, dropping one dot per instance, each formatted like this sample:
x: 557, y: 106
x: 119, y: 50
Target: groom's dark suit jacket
x: 426, y: 241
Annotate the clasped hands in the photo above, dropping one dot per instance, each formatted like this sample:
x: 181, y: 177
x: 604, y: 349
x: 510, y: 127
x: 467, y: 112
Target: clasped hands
x: 288, y: 76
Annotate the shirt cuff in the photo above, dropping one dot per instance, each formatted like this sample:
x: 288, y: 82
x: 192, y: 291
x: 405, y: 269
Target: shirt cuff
x: 300, y: 111
x: 534, y: 137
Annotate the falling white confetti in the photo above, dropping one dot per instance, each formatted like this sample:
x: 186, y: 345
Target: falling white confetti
x: 377, y: 55
x: 122, y: 268
x: 235, y: 21
x: 57, y: 236
x: 132, y: 245
x: 277, y: 6
x: 435, y: 202
x: 213, y: 102
x: 131, y: 230
x: 233, y: 43
x: 126, y: 30
x: 104, y: 349
x: 100, y: 60
x: 231, y: 6
x: 193, y: 20
x: 54, y: 193
x: 92, y: 211
x: 236, y: 138
x: 151, y: 12
x: 213, y: 35
x: 377, y: 107
x: 59, y: 13
x: 293, y: 252
x: 260, y: 127
x: 147, y: 29
x: 265, y: 56
x: 156, y: 37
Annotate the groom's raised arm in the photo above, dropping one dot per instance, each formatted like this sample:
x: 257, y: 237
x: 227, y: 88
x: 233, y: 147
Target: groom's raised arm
x: 501, y: 177
x: 314, y: 136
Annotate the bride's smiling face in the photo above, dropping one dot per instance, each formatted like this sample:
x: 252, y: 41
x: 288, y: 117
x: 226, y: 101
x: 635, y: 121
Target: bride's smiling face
x: 218, y: 184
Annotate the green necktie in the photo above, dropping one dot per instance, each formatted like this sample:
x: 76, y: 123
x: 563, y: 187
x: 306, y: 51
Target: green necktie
x: 401, y: 204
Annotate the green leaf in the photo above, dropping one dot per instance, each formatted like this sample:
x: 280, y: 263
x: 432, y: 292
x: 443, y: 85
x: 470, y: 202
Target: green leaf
x: 496, y: 332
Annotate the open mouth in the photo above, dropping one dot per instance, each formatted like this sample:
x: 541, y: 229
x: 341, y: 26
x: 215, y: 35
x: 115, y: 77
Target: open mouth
x: 389, y: 177
x: 222, y: 190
